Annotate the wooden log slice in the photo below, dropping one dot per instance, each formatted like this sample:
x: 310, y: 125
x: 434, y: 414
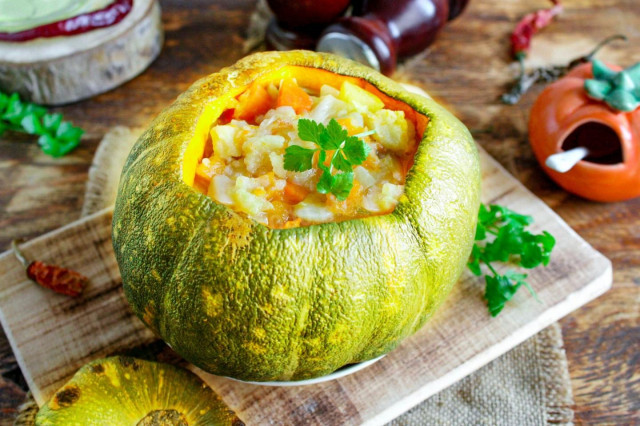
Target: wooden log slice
x: 60, y: 70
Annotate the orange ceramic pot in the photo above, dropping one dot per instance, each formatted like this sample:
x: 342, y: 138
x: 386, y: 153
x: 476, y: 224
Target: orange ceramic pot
x: 564, y: 117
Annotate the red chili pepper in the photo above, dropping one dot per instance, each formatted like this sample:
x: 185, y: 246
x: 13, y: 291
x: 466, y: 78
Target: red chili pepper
x: 530, y: 25
x: 61, y: 280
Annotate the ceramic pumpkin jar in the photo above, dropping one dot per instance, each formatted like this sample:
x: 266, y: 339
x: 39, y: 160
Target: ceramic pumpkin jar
x: 594, y: 107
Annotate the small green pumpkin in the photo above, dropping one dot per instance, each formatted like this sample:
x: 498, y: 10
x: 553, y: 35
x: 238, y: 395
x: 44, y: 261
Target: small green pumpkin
x: 240, y: 299
x: 128, y: 391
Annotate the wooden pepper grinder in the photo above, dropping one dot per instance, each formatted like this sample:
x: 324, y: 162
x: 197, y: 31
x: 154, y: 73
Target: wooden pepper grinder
x: 379, y: 32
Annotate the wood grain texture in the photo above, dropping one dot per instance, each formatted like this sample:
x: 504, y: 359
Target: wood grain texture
x: 52, y: 335
x: 467, y: 68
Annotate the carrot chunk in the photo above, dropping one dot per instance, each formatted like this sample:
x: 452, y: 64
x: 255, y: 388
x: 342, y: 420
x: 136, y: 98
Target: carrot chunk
x: 294, y: 193
x: 292, y: 95
x: 252, y: 103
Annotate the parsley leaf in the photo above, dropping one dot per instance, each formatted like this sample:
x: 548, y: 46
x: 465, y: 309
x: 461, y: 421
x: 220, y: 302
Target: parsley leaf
x: 31, y: 125
x: 309, y: 130
x: 498, y: 291
x: 326, y: 179
x: 341, y: 163
x: 342, y: 184
x: 335, y: 135
x: 348, y: 151
x: 355, y: 150
x: 511, y: 243
x: 325, y: 183
x: 52, y: 121
x: 67, y: 132
x: 298, y: 159
x: 56, y: 137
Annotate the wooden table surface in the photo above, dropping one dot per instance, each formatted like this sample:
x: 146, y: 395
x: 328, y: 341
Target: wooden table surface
x: 467, y: 68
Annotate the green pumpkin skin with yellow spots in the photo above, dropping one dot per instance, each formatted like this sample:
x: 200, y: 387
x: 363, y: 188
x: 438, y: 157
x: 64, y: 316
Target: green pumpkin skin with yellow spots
x: 128, y: 391
x: 239, y: 299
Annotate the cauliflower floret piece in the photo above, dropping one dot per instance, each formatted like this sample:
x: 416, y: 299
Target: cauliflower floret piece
x: 307, y: 178
x: 363, y: 176
x: 266, y: 180
x: 257, y: 150
x: 392, y: 130
x: 382, y: 198
x: 369, y: 200
x: 211, y: 166
x: 313, y: 212
x: 284, y: 114
x: 389, y: 169
x: 328, y: 107
x: 389, y: 196
x: 224, y: 141
x: 277, y: 162
x: 246, y: 201
x: 220, y: 188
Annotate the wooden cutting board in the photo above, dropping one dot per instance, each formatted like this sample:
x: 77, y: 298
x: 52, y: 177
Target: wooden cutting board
x: 52, y: 335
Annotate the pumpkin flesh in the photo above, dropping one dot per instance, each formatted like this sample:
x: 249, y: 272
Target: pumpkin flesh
x: 128, y: 391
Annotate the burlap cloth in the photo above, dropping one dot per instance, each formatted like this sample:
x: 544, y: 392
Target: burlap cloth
x: 529, y: 385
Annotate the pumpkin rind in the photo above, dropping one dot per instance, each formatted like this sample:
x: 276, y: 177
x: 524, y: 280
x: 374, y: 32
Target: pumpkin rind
x: 237, y: 298
x: 129, y: 391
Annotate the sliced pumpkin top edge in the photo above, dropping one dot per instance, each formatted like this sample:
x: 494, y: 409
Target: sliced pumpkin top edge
x: 307, y: 77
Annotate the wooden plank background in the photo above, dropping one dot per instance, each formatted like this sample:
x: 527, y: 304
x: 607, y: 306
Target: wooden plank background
x: 467, y: 68
x: 52, y: 335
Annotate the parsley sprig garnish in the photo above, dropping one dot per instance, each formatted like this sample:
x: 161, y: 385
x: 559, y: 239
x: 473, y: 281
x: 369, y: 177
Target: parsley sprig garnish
x: 56, y: 137
x: 511, y: 242
x: 348, y: 151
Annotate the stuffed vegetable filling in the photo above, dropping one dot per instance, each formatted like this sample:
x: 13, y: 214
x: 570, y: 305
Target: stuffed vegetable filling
x: 290, y: 156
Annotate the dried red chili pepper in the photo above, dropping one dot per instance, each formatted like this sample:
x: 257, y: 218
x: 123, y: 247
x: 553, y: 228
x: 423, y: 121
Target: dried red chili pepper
x: 56, y: 278
x: 530, y: 25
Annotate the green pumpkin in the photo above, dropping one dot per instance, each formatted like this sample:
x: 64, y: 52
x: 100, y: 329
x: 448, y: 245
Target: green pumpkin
x: 240, y: 299
x: 128, y: 391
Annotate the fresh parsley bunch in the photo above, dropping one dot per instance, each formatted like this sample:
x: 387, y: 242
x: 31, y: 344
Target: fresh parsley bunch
x: 56, y: 137
x: 348, y: 151
x: 511, y: 242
